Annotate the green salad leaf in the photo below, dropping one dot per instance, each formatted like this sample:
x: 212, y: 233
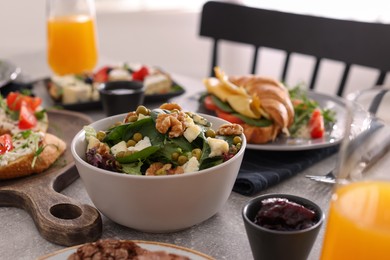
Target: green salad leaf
x: 140, y: 155
x: 304, y: 109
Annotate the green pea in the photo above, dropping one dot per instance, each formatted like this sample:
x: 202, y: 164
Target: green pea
x: 132, y: 118
x: 137, y: 137
x: 142, y: 110
x: 175, y: 156
x: 120, y: 154
x: 237, y: 140
x: 182, y: 159
x: 131, y: 142
x: 100, y: 135
x: 197, y: 153
x: 210, y: 133
x: 161, y: 172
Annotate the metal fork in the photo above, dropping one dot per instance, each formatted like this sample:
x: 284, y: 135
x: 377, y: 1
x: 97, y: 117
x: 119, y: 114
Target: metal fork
x: 327, y: 178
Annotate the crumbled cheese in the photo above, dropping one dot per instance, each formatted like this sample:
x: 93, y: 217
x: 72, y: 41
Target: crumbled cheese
x: 77, y: 93
x: 199, y: 119
x: 119, y: 74
x: 95, y: 96
x: 191, y: 166
x: 63, y: 81
x: 72, y: 89
x: 119, y: 147
x: 188, y: 121
x: 217, y: 146
x: 92, y: 142
x: 192, y: 132
x: 142, y: 144
x: 142, y: 116
x: 157, y: 83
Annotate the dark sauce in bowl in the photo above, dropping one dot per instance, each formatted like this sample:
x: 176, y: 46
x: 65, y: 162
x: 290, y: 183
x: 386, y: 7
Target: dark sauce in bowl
x: 284, y: 215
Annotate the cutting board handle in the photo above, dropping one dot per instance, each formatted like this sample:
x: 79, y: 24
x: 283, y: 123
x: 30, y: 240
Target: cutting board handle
x: 58, y: 218
x: 62, y: 220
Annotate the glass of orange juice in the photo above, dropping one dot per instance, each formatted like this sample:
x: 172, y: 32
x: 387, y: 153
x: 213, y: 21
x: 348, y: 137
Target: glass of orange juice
x: 358, y: 225
x: 71, y: 36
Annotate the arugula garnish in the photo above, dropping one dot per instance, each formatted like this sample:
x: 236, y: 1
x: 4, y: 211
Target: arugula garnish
x: 304, y: 107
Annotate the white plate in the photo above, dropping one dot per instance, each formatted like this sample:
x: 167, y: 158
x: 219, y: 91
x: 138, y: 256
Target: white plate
x: 331, y: 138
x: 149, y: 245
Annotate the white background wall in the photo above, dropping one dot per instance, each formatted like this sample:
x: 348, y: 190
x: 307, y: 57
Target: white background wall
x: 165, y: 38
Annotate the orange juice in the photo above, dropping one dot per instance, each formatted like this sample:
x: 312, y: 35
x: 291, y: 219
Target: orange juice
x: 359, y: 222
x: 71, y: 44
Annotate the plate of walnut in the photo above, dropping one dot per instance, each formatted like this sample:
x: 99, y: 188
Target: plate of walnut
x: 126, y: 249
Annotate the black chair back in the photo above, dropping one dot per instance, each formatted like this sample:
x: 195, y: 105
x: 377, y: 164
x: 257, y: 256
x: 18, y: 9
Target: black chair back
x: 350, y: 42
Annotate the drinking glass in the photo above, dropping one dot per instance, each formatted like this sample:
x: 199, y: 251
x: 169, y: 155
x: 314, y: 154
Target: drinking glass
x: 71, y: 36
x: 358, y: 225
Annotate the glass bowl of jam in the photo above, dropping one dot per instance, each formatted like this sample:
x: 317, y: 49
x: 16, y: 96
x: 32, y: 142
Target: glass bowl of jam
x: 282, y: 226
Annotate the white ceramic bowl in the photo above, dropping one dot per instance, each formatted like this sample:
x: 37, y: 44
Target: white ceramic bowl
x: 156, y: 203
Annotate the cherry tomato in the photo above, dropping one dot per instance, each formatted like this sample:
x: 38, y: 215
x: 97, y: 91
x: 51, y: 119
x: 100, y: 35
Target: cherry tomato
x: 101, y: 75
x: 140, y: 74
x: 209, y: 104
x: 316, y: 124
x: 5, y: 143
x: 228, y: 117
x: 14, y: 100
x: 27, y: 119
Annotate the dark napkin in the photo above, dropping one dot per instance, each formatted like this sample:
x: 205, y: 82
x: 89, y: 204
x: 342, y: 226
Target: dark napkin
x: 262, y: 169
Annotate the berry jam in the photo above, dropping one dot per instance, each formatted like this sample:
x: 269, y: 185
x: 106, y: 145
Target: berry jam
x: 284, y: 215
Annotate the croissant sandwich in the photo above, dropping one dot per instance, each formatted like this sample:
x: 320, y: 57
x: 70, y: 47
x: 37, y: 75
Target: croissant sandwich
x: 261, y: 105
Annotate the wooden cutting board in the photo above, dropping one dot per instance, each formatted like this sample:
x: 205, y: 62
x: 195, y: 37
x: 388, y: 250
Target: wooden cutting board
x: 58, y: 218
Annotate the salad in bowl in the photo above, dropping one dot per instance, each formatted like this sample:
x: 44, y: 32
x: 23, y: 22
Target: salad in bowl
x: 159, y: 170
x: 162, y: 141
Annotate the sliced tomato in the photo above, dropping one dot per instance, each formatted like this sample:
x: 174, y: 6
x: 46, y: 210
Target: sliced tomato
x: 27, y: 119
x: 209, y: 104
x: 316, y: 124
x: 101, y: 75
x: 11, y: 100
x: 228, y: 117
x: 140, y: 74
x: 5, y: 143
x: 14, y: 100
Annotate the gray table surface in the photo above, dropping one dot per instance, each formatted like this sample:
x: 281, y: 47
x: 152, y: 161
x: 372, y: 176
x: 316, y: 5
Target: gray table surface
x: 222, y: 236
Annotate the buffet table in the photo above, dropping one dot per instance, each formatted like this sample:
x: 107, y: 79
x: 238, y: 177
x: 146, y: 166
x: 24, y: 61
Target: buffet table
x: 221, y: 237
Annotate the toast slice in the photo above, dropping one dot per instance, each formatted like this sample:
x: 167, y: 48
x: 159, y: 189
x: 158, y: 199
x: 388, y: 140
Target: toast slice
x: 31, y: 155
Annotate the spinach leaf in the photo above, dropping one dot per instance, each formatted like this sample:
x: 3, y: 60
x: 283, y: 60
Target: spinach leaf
x: 139, y: 156
x: 182, y: 142
x: 210, y: 162
x: 125, y: 132
x: 205, y: 154
x: 222, y: 105
x: 254, y: 122
x: 165, y: 154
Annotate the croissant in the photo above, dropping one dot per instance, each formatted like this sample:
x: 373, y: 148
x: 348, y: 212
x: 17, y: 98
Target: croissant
x: 255, y: 97
x: 273, y: 95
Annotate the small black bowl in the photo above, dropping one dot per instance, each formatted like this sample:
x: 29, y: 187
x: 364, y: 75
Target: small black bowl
x: 121, y: 96
x: 279, y: 245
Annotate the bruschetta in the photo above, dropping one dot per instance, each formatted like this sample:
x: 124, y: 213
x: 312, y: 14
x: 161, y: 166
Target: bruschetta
x: 20, y: 112
x: 28, y: 152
